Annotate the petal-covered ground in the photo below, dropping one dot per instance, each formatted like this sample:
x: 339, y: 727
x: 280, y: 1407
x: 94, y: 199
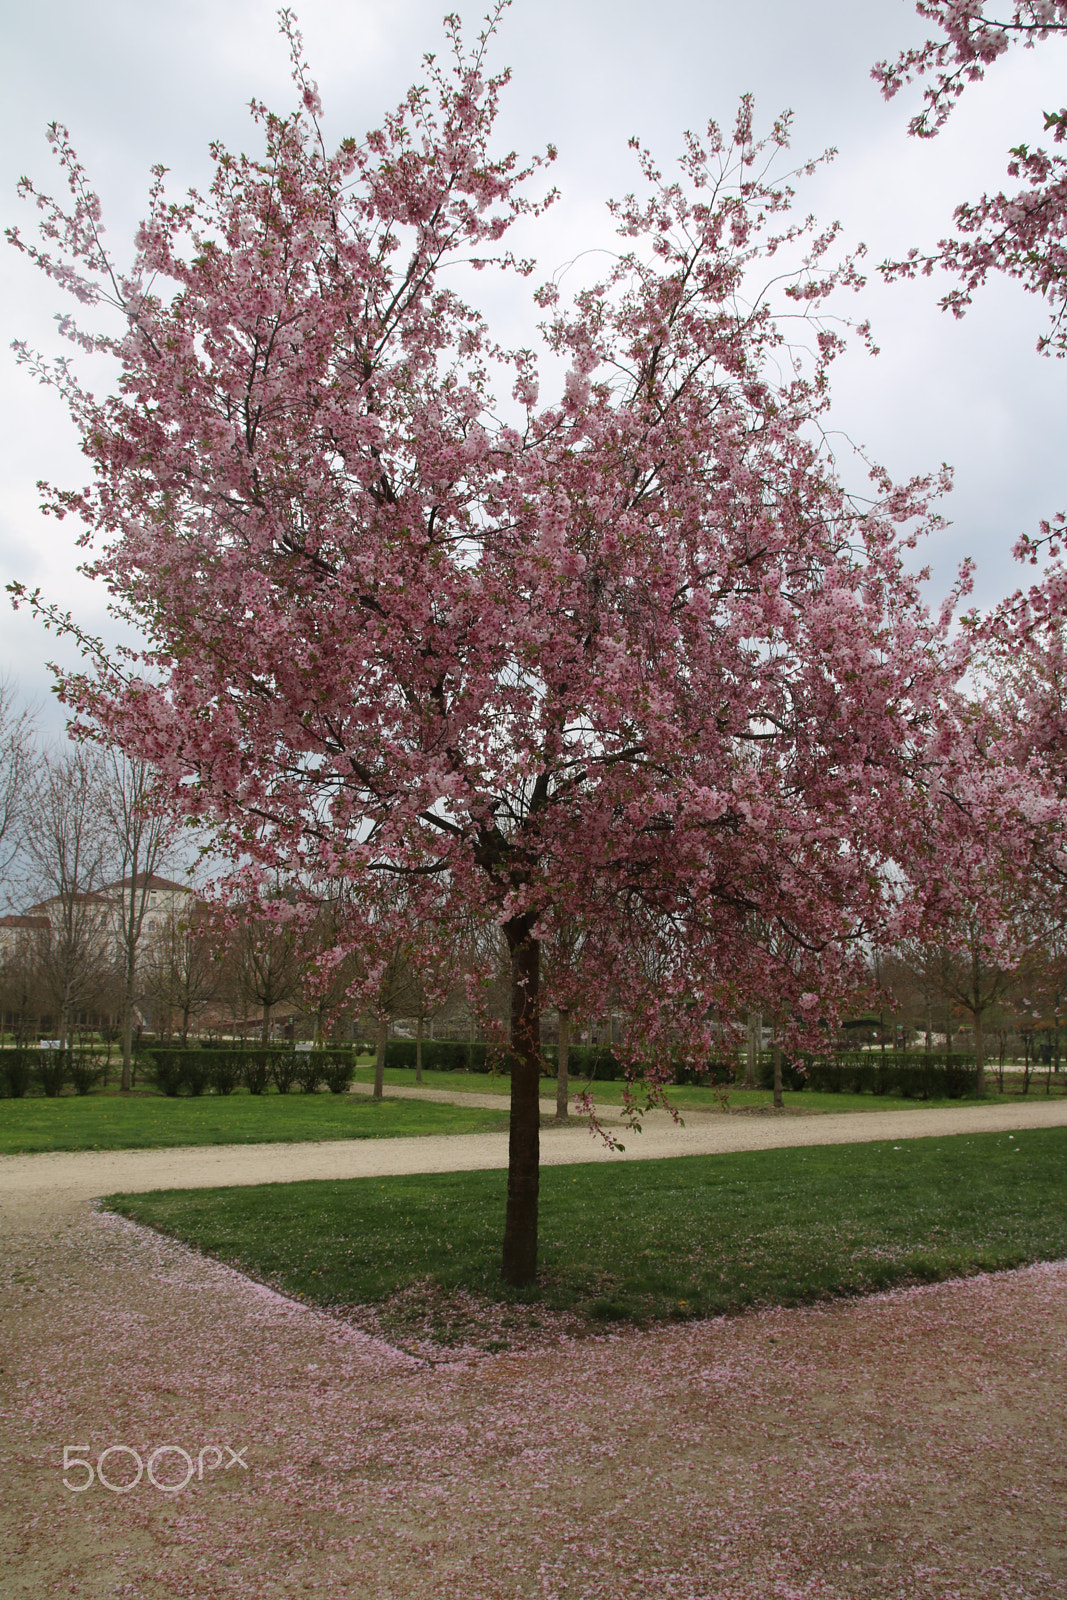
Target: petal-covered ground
x: 907, y: 1445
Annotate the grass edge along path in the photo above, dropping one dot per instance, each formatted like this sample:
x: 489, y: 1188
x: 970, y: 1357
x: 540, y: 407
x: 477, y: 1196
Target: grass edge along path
x: 152, y: 1122
x: 670, y: 1239
x: 147, y: 1121
x: 690, y: 1097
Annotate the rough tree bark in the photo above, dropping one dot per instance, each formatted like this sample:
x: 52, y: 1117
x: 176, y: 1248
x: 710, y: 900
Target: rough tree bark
x: 519, y: 1265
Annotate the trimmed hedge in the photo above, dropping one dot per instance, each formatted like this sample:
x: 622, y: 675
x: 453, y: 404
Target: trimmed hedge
x: 446, y: 1055
x: 338, y: 1068
x: 196, y: 1070
x: 283, y: 1072
x: 600, y: 1064
x: 584, y: 1061
x: 85, y: 1071
x: 48, y: 1071
x: 255, y: 1070
x: 16, y: 1072
x: 913, y: 1075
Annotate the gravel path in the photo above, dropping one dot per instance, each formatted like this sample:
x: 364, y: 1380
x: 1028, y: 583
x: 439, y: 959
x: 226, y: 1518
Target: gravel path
x: 35, y: 1187
x: 906, y: 1446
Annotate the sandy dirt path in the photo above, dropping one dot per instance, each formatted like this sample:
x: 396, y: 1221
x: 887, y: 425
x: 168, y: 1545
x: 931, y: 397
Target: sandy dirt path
x: 907, y: 1446
x: 35, y: 1186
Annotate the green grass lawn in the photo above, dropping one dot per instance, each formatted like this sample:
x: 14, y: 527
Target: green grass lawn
x: 107, y: 1122
x: 684, y: 1097
x: 686, y: 1237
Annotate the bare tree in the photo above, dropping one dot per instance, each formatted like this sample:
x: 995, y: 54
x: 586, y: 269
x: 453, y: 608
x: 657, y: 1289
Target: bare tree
x: 267, y: 960
x: 181, y: 970
x: 141, y: 837
x: 16, y: 746
x: 563, y: 950
x: 21, y: 987
x: 65, y: 851
x: 975, y: 979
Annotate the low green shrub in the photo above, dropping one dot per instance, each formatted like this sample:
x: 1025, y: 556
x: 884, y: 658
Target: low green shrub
x: 16, y: 1072
x: 337, y: 1070
x: 913, y: 1075
x: 224, y: 1070
x: 196, y: 1072
x: 167, y: 1071
x: 255, y: 1070
x: 85, y: 1072
x: 308, y: 1071
x: 52, y: 1069
x: 283, y: 1071
x: 446, y: 1055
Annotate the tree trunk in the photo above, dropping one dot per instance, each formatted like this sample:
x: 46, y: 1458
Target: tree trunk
x: 379, y: 1060
x: 979, y: 1053
x: 976, y: 990
x: 562, y: 1096
x: 418, y: 1049
x: 127, y: 1028
x: 752, y: 1049
x: 266, y: 1023
x: 519, y: 1265
x: 778, y: 1101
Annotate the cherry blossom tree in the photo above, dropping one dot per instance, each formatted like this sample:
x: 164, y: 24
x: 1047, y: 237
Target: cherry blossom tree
x: 1022, y: 234
x: 631, y: 660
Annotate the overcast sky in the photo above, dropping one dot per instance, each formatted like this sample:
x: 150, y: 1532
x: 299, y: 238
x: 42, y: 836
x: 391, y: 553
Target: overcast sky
x: 156, y: 80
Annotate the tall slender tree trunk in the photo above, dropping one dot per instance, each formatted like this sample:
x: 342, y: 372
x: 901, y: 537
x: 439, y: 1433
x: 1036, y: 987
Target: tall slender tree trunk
x: 752, y: 1049
x: 778, y: 1101
x: 519, y: 1265
x: 267, y: 1008
x: 418, y: 1049
x: 127, y: 1029
x: 562, y: 1094
x: 379, y: 1059
x: 979, y: 1053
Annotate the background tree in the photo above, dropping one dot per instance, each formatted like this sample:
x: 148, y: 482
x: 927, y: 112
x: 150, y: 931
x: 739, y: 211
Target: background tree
x: 16, y: 760
x: 140, y: 838
x: 564, y: 954
x: 265, y: 954
x: 976, y: 977
x: 65, y: 848
x: 632, y: 655
x: 182, y: 971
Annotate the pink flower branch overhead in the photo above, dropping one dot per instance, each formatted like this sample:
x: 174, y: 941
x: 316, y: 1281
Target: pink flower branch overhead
x: 631, y: 661
x: 1022, y: 234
